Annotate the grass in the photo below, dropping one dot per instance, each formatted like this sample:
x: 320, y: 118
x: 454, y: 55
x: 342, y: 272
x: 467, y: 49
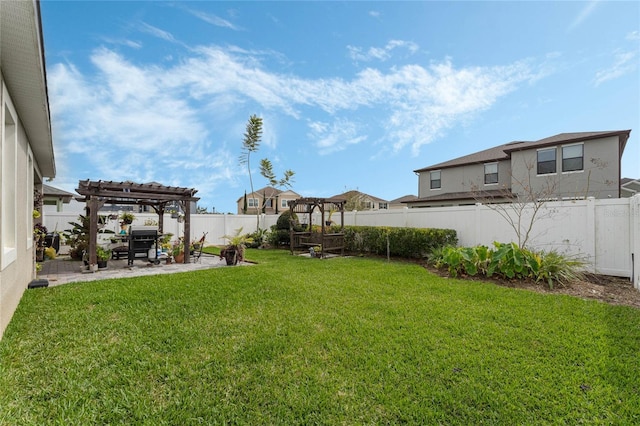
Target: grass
x: 303, y: 341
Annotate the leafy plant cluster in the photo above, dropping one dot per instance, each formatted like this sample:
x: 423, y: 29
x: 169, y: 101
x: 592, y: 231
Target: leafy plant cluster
x: 507, y: 260
x: 279, y: 234
x: 401, y: 242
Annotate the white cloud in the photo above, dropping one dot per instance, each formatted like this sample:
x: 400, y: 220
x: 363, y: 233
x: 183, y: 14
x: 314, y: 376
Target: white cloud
x: 213, y: 19
x: 156, y: 32
x: 336, y: 136
x: 584, y: 13
x: 128, y: 121
x: 624, y: 63
x: 380, y: 53
x: 633, y: 36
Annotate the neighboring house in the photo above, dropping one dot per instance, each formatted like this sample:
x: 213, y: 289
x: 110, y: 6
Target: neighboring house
x: 26, y: 146
x: 629, y: 187
x: 357, y: 200
x: 55, y: 197
x: 562, y: 167
x: 277, y: 201
x: 401, y: 203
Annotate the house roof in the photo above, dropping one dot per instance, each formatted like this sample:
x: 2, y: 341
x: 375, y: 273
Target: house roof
x: 630, y: 185
x: 24, y: 72
x: 269, y: 191
x: 50, y: 191
x: 467, y: 195
x: 349, y: 194
x: 404, y: 199
x: 503, y: 152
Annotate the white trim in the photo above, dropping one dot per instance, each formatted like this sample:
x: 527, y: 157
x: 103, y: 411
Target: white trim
x: 30, y: 187
x: 8, y: 181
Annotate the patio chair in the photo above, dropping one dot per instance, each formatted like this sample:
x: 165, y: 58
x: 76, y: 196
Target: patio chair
x: 197, y: 253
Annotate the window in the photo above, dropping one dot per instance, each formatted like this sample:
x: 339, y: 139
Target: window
x: 435, y: 180
x: 252, y: 202
x: 383, y: 206
x: 269, y: 203
x: 30, y: 206
x: 490, y: 173
x: 368, y: 205
x: 284, y: 203
x: 572, y: 156
x: 8, y: 150
x: 546, y: 161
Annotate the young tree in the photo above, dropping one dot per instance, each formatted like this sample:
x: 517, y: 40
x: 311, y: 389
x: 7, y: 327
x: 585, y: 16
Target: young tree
x: 251, y: 144
x: 521, y: 205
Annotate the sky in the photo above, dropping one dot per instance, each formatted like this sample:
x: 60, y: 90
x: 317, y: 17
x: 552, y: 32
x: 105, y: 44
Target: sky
x: 353, y: 95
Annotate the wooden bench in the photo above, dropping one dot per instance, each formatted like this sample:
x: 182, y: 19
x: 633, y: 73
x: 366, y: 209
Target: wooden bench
x: 328, y: 242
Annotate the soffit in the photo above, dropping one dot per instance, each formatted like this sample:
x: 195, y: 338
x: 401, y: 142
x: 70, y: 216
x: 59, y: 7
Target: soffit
x: 23, y: 70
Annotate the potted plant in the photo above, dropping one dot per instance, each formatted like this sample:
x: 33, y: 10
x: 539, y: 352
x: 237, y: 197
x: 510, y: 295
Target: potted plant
x: 233, y: 252
x: 126, y: 218
x: 328, y: 222
x: 177, y: 251
x: 103, y: 256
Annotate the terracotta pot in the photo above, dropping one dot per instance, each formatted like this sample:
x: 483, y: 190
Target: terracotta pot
x: 179, y: 258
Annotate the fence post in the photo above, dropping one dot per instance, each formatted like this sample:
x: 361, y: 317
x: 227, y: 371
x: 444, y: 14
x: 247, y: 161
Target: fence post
x: 590, y: 233
x: 634, y: 241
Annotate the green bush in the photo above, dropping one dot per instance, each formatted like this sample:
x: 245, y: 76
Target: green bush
x: 402, y: 242
x: 507, y: 261
x: 285, y: 218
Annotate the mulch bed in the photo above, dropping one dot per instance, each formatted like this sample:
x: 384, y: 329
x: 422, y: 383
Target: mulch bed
x: 607, y: 289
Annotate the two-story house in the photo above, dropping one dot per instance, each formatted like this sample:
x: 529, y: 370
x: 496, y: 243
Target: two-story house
x: 560, y: 167
x: 266, y: 200
x: 357, y: 200
x: 26, y: 146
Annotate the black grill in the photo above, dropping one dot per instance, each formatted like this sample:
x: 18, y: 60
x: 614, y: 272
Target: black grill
x: 141, y: 240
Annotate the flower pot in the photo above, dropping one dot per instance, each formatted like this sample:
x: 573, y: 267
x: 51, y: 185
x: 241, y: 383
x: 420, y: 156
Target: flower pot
x: 179, y: 258
x: 102, y: 264
x: 231, y: 256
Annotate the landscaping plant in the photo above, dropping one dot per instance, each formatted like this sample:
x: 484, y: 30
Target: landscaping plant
x: 508, y: 261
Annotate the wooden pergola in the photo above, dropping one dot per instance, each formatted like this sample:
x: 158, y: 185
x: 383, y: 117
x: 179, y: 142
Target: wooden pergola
x: 327, y: 241
x: 98, y: 193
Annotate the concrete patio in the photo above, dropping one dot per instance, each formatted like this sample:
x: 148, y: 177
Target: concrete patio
x: 64, y: 270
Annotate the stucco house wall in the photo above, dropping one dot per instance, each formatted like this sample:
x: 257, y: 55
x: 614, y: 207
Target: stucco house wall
x: 26, y: 148
x: 598, y: 175
x: 464, y: 178
x: 599, y: 178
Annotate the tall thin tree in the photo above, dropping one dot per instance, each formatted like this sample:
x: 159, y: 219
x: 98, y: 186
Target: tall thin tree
x: 251, y: 143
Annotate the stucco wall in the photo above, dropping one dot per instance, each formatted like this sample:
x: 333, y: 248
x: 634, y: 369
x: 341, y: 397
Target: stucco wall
x: 17, y: 271
x: 599, y: 179
x: 463, y: 179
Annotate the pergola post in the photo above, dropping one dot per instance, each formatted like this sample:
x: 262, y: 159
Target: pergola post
x: 187, y: 230
x: 93, y: 230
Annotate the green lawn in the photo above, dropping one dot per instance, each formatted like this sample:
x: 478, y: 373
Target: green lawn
x: 305, y: 341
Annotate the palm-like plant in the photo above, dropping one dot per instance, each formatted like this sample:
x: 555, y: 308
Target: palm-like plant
x: 236, y: 244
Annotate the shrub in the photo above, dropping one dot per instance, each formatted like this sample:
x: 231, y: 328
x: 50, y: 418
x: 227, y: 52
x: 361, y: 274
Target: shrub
x: 555, y: 267
x: 278, y: 237
x: 257, y: 238
x: 402, y: 242
x: 285, y: 218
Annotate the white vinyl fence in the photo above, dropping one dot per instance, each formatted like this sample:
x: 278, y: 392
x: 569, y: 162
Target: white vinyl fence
x: 603, y: 233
